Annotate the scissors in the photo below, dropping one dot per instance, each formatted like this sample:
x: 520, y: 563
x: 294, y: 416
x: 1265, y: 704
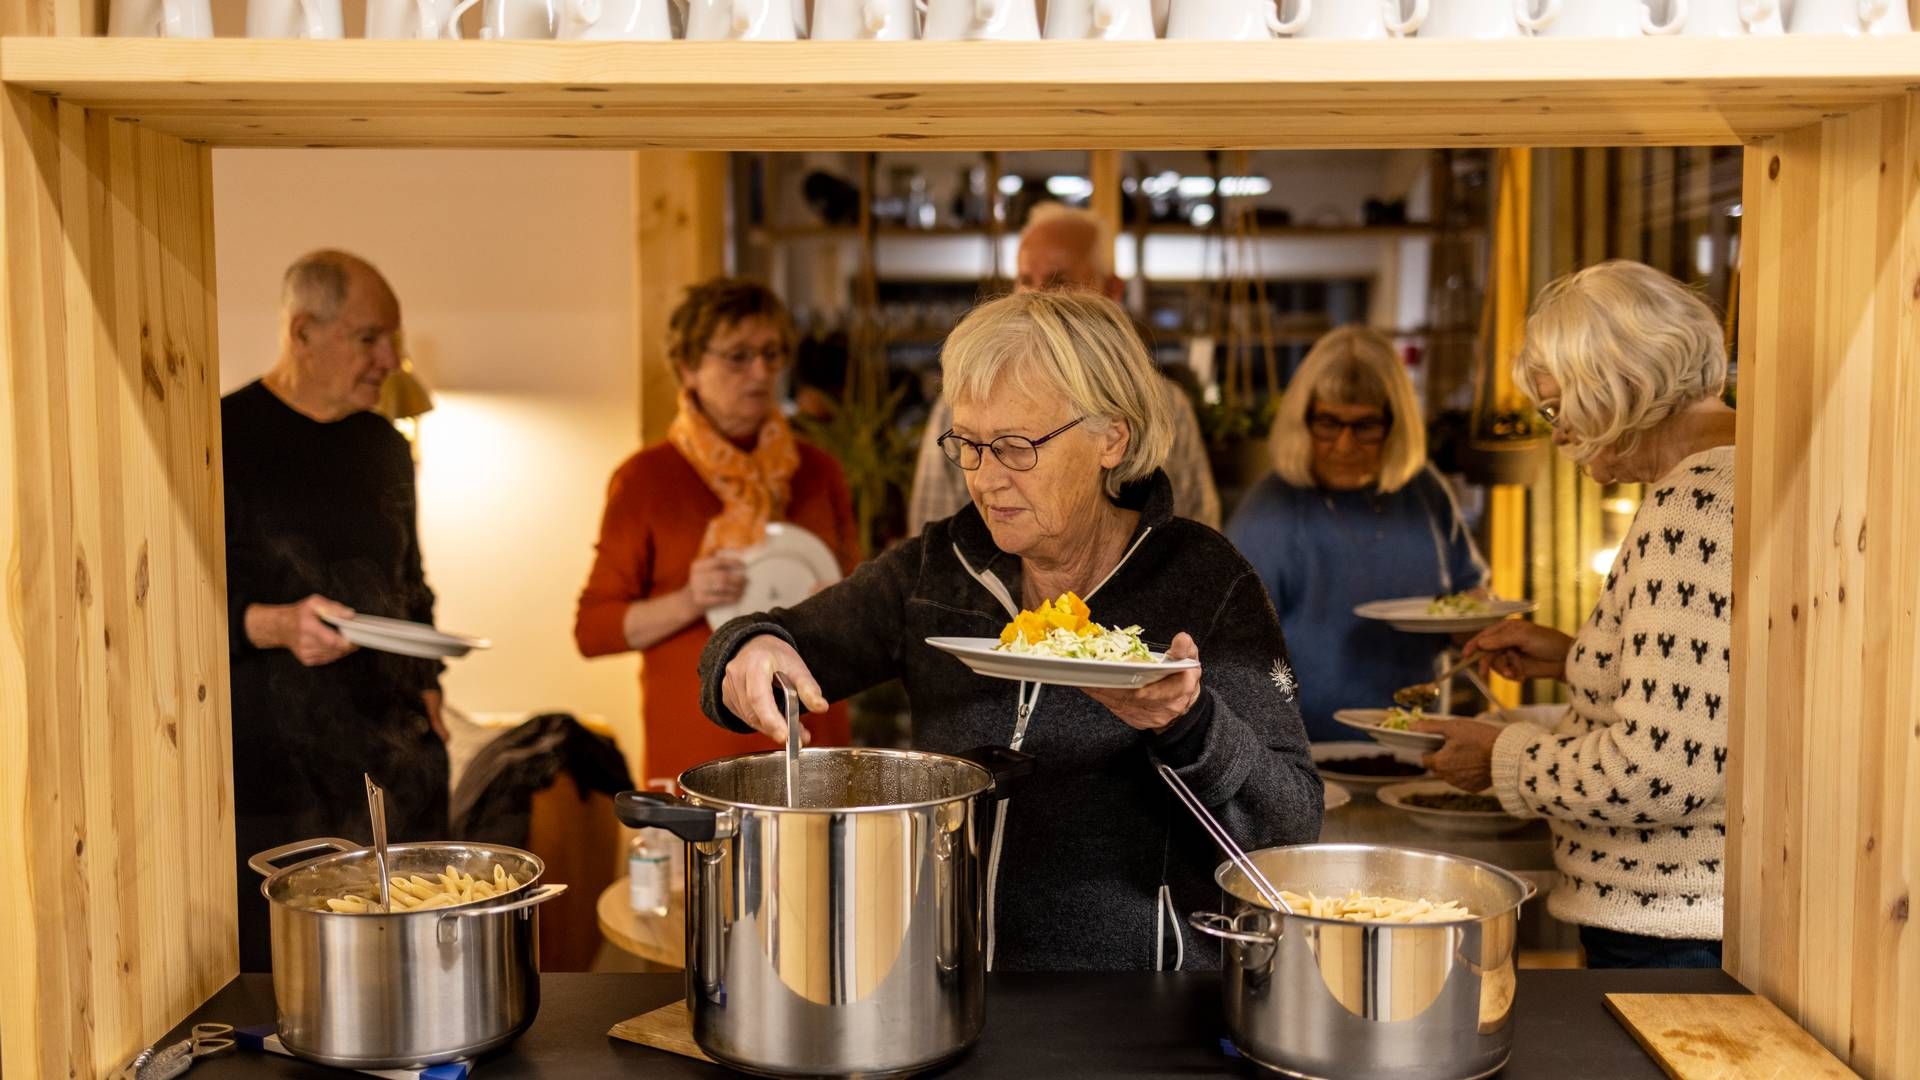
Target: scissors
x: 155, y: 1063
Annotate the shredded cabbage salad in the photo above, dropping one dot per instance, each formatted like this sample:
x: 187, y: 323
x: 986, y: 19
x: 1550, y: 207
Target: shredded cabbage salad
x: 1062, y: 630
x: 1455, y: 604
x: 1398, y: 719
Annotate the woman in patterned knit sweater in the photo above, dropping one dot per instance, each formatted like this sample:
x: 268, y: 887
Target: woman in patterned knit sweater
x: 1628, y: 366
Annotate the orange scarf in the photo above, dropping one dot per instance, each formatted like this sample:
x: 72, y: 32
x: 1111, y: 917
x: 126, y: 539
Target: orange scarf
x: 753, y: 486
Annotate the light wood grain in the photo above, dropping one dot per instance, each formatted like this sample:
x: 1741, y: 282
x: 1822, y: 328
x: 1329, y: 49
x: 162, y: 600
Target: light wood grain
x: 669, y: 1028
x: 680, y: 205
x: 1723, y: 1037
x: 659, y: 938
x: 118, y: 815
x: 968, y: 95
x: 1824, y: 822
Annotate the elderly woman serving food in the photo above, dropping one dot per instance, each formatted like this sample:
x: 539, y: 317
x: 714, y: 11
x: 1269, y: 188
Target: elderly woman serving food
x: 1070, y: 538
x: 1627, y: 365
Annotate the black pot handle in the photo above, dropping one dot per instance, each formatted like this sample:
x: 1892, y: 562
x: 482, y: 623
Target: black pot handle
x: 658, y: 810
x: 1007, y: 766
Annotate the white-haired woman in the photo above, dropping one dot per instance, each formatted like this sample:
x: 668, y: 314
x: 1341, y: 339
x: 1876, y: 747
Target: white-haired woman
x: 1352, y: 512
x: 1060, y: 427
x: 1628, y: 366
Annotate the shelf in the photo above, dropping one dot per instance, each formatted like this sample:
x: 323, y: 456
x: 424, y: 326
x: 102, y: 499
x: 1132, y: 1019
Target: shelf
x: 844, y: 233
x: 967, y: 95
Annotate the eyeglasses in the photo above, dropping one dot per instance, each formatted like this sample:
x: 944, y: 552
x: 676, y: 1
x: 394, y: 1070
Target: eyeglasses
x: 1370, y: 431
x: 1016, y: 452
x: 775, y: 356
x: 1550, y: 412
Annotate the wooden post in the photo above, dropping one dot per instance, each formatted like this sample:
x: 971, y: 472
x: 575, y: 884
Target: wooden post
x: 116, y: 829
x: 1103, y: 168
x: 1823, y: 815
x: 680, y: 206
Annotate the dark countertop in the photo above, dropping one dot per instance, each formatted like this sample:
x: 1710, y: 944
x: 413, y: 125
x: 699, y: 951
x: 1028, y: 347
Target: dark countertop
x: 1042, y: 1026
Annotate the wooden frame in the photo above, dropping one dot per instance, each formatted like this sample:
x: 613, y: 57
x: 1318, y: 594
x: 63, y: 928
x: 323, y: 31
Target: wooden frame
x: 113, y: 735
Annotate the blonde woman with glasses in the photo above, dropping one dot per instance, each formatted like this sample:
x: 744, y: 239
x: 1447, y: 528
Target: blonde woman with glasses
x: 1060, y: 428
x: 1352, y: 512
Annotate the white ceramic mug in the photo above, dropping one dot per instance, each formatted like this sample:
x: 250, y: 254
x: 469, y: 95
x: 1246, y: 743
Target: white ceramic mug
x: 1852, y: 17
x: 1107, y: 20
x: 1733, y: 18
x: 1472, y: 19
x: 160, y: 18
x: 312, y: 19
x: 614, y: 20
x: 744, y: 20
x: 1238, y: 20
x: 978, y: 20
x: 864, y: 20
x: 1599, y: 18
x: 520, y: 20
x: 412, y: 19
x: 1364, y: 19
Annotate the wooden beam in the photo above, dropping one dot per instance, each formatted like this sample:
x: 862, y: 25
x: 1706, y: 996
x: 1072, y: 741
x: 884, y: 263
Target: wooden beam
x: 679, y: 201
x: 1103, y: 168
x: 1824, y: 801
x: 114, y: 733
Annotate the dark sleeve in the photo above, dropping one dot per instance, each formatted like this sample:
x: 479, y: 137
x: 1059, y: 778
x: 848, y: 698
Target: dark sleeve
x: 246, y: 570
x: 1243, y: 750
x: 849, y: 634
x: 413, y: 573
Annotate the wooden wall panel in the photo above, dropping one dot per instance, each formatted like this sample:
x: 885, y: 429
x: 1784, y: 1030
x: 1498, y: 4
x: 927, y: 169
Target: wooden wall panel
x: 1824, y: 846
x: 680, y: 203
x: 114, y: 741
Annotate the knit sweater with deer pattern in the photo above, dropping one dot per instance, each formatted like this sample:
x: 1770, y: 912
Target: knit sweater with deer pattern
x: 1633, y: 778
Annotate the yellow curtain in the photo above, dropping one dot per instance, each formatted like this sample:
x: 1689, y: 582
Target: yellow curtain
x: 1508, y: 294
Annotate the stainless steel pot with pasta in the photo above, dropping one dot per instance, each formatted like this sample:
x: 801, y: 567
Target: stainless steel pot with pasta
x: 1396, y: 964
x: 449, y: 969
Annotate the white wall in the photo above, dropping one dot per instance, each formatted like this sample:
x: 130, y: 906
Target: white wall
x: 514, y: 271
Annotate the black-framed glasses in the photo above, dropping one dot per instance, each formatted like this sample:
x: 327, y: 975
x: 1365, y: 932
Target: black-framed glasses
x: 1016, y: 452
x: 1368, y: 431
x: 1550, y: 412
x: 776, y: 357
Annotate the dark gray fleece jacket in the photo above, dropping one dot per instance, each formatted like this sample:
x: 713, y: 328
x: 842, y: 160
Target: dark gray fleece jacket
x: 1099, y: 864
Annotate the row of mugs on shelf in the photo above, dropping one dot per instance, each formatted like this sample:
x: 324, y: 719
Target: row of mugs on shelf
x: 1015, y: 20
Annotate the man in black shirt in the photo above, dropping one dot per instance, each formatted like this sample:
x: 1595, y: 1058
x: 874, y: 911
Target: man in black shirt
x: 321, y: 524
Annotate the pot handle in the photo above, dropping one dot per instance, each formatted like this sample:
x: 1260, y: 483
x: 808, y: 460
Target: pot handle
x: 658, y: 810
x: 1214, y: 924
x: 1006, y: 764
x: 540, y: 895
x: 263, y: 863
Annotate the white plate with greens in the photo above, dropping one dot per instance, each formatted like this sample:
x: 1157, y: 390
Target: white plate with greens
x: 1381, y: 724
x: 1456, y: 614
x: 985, y: 657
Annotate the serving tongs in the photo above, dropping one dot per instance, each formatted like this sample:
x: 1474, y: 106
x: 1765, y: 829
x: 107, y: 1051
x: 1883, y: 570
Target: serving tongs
x: 377, y: 810
x: 791, y: 699
x: 1427, y: 694
x: 1219, y: 833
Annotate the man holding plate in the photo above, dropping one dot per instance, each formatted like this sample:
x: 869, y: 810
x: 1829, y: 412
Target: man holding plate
x: 1060, y: 429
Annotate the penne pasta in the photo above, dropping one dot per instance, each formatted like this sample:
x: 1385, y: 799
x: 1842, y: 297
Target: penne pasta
x: 1355, y: 907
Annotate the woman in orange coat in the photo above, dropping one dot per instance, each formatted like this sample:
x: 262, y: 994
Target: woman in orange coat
x: 678, y: 512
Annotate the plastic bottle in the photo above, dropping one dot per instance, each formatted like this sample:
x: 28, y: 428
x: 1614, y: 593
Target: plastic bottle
x: 648, y: 869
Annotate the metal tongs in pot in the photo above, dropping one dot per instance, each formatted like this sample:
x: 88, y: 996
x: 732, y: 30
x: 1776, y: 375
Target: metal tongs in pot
x: 377, y: 810
x: 790, y: 697
x: 1220, y: 836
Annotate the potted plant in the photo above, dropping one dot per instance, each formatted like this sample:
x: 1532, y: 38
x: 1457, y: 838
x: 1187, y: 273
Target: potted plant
x: 1506, y: 447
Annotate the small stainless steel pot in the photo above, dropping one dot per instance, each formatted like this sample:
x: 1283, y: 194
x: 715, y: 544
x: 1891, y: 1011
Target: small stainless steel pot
x: 410, y: 988
x: 1319, y: 998
x: 842, y: 935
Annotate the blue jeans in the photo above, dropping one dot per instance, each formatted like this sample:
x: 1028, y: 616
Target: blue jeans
x: 1613, y: 949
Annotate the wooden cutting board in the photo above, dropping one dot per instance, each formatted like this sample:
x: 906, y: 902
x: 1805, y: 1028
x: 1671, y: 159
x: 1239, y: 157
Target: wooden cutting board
x: 1723, y: 1037
x: 669, y: 1028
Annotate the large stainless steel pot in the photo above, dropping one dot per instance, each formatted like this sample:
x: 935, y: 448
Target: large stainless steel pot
x: 842, y: 935
x: 406, y: 989
x: 1327, y: 998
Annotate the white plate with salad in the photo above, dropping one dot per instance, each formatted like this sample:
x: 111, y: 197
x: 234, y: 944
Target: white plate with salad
x: 1059, y: 644
x: 1455, y: 613
x: 1391, y: 727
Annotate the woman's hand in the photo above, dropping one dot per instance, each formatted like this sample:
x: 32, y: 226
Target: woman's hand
x: 1519, y: 649
x: 1466, y: 761
x: 1154, y: 706
x: 747, y: 686
x: 714, y: 581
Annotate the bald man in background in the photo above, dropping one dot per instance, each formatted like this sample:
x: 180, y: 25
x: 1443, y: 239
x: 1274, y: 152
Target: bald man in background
x: 1065, y: 248
x: 320, y: 509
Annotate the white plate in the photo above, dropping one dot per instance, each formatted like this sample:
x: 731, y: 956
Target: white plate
x: 1335, y: 796
x: 790, y: 565
x: 1451, y: 822
x: 1327, y: 756
x: 403, y: 637
x: 1368, y: 720
x: 1409, y: 614
x: 984, y: 657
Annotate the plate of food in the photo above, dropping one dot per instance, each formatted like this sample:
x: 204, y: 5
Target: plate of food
x: 1333, y: 796
x: 1394, y: 727
x: 1060, y: 645
x: 403, y: 637
x: 1454, y: 613
x: 1365, y: 767
x: 1443, y: 808
x: 788, y: 566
